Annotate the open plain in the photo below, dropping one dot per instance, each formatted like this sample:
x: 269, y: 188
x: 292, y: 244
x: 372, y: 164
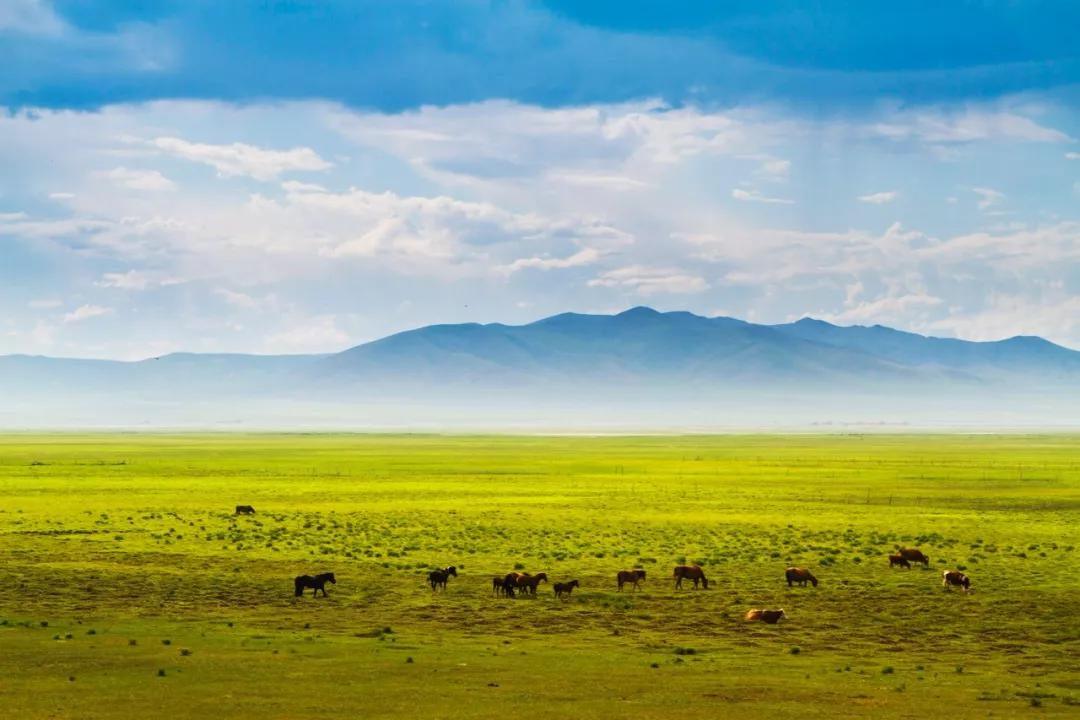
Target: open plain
x: 129, y: 588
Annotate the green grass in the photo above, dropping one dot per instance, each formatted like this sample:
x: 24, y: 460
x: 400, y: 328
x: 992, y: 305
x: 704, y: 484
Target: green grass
x: 127, y: 587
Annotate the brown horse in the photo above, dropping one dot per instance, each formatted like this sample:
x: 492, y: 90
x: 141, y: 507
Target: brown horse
x: 634, y: 576
x: 914, y: 555
x: 766, y: 616
x: 955, y: 578
x: 895, y: 560
x: 529, y: 582
x: 565, y: 588
x: 690, y: 572
x: 800, y: 576
x: 245, y: 510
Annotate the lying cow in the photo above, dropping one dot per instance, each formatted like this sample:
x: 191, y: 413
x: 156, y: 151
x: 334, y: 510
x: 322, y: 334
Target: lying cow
x: 955, y: 578
x: 766, y: 616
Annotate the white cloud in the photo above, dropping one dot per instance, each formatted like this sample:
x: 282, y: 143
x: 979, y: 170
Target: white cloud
x: 879, y: 198
x: 586, y: 256
x: 85, y: 312
x: 44, y: 304
x: 242, y: 159
x: 650, y: 280
x: 32, y: 17
x: 754, y: 196
x: 317, y: 334
x: 150, y: 180
x: 136, y: 280
x: 989, y: 197
x: 1072, y: 156
x: 967, y: 125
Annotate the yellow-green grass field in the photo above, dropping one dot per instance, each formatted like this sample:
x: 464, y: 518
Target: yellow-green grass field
x: 128, y: 589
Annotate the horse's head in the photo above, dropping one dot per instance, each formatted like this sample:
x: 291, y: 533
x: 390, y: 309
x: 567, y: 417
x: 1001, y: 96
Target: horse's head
x: 452, y: 570
x: 541, y: 577
x: 575, y: 583
x: 641, y: 574
x: 331, y: 578
x: 813, y: 581
x: 704, y: 582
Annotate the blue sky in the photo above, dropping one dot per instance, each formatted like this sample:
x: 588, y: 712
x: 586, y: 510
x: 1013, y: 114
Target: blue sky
x: 295, y: 176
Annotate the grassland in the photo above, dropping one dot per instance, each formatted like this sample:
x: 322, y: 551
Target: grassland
x: 128, y: 589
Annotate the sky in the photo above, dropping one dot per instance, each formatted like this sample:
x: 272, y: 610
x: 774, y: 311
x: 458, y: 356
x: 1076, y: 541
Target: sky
x: 294, y: 177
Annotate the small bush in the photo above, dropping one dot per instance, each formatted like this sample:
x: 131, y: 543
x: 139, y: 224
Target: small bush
x: 161, y: 672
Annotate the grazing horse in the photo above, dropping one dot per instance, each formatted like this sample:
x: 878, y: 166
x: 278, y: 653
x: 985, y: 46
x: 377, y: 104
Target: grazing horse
x: 914, y: 555
x: 565, y: 588
x: 244, y: 510
x: 690, y: 572
x: 955, y: 578
x: 766, y: 616
x: 800, y: 576
x: 318, y: 582
x: 438, y: 578
x: 529, y: 582
x: 900, y: 560
x: 634, y: 576
x: 497, y: 584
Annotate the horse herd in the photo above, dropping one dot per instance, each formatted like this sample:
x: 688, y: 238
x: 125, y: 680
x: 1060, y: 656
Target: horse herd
x: 522, y: 583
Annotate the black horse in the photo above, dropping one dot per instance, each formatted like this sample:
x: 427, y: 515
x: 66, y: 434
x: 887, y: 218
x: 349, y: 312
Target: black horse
x: 438, y: 578
x: 245, y: 510
x: 318, y: 582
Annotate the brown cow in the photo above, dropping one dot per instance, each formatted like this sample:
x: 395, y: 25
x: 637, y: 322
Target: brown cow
x: 634, y: 576
x: 565, y: 588
x: 895, y: 560
x: 955, y: 578
x: 690, y: 572
x: 800, y: 576
x: 766, y: 616
x: 914, y: 555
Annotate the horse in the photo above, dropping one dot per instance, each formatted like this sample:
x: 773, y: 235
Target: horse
x: 634, y: 576
x: 800, y: 576
x: 318, y: 582
x: 565, y: 588
x: 509, y: 583
x: 766, y: 616
x: 497, y: 584
x: 529, y: 582
x: 244, y: 510
x: 690, y: 572
x: 895, y: 560
x: 438, y: 578
x: 914, y: 555
x: 955, y: 578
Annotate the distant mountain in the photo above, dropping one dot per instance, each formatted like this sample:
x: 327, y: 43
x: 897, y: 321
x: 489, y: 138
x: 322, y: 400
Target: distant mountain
x: 640, y: 361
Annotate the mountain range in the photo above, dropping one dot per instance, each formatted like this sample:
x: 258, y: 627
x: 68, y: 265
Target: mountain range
x: 638, y: 368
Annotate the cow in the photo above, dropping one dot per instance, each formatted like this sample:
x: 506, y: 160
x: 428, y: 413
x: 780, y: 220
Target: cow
x: 766, y: 616
x: 955, y: 578
x: 895, y: 560
x: 245, y: 510
x: 800, y: 576
x: 914, y: 555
